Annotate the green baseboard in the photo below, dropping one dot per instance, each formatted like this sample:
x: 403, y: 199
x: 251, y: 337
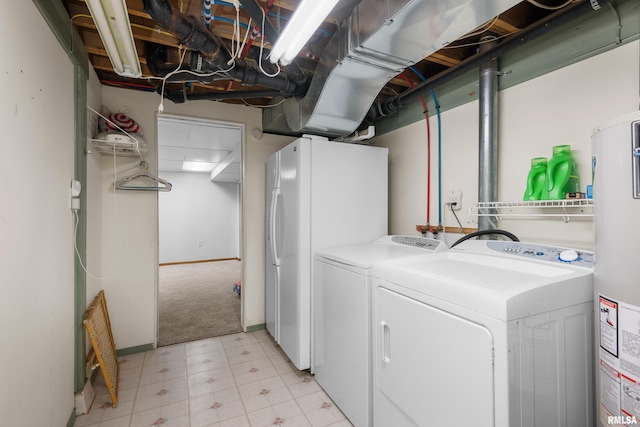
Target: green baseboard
x: 254, y: 328
x: 133, y: 350
x: 72, y: 418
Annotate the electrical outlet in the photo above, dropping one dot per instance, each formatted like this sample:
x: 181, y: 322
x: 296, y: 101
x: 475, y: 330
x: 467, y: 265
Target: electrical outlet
x: 74, y: 193
x: 454, y: 198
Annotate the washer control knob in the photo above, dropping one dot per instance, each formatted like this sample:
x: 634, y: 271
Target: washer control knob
x: 568, y: 256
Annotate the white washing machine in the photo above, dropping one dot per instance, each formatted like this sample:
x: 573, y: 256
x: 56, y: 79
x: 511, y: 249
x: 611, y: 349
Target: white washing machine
x: 342, y: 318
x: 488, y: 334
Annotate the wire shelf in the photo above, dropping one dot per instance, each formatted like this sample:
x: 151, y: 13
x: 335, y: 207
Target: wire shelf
x: 119, y: 144
x: 565, y: 209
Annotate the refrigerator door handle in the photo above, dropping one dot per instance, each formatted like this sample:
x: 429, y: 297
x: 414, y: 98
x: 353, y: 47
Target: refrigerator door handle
x: 275, y: 196
x: 276, y: 335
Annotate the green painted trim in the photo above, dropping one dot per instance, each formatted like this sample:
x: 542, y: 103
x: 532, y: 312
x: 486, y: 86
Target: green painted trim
x: 60, y: 24
x: 584, y: 38
x: 254, y: 328
x: 57, y: 18
x: 79, y: 52
x: 80, y: 174
x: 72, y: 418
x: 133, y: 350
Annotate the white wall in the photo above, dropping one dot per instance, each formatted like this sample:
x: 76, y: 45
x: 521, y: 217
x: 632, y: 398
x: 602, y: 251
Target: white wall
x: 130, y: 218
x: 93, y: 192
x: 562, y: 107
x: 198, y: 219
x: 36, y: 222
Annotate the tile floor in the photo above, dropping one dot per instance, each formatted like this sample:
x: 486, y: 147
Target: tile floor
x: 235, y: 380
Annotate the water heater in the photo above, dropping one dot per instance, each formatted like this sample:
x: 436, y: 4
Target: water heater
x: 616, y: 193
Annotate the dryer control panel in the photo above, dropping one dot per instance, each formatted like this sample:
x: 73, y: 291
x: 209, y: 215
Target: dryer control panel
x: 414, y: 241
x: 544, y: 253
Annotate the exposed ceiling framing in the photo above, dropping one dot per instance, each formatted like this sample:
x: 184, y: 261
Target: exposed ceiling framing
x: 145, y: 30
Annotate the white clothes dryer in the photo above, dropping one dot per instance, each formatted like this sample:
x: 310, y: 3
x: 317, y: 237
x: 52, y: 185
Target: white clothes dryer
x: 487, y: 334
x: 342, y: 318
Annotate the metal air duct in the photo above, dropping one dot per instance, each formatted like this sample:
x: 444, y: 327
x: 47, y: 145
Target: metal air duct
x: 542, y: 27
x: 378, y: 41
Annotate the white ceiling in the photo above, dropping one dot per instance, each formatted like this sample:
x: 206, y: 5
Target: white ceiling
x: 186, y: 139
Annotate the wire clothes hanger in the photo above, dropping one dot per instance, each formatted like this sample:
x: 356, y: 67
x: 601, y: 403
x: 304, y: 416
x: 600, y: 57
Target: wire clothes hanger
x: 143, y: 181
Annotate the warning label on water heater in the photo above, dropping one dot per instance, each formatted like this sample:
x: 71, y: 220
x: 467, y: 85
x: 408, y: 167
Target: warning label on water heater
x: 619, y: 362
x: 609, y: 325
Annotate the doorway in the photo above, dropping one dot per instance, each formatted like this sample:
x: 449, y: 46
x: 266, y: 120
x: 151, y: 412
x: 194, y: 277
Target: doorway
x: 199, y: 223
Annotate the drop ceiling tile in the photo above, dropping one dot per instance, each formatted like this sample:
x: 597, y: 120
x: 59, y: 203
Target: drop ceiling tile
x: 170, y: 165
x: 173, y: 133
x: 214, y: 138
x: 171, y: 153
x: 196, y: 140
x: 201, y: 155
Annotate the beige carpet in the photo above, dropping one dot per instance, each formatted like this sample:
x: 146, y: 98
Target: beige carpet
x: 197, y: 301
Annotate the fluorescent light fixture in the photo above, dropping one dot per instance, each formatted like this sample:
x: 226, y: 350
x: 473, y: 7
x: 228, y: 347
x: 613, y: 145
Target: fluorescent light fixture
x: 303, y: 23
x: 198, y: 166
x: 112, y: 21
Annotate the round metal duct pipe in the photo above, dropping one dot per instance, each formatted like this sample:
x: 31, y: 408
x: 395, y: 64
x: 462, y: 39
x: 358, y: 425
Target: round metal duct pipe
x: 488, y: 141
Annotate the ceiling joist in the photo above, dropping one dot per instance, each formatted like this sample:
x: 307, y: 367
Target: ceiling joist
x: 146, y: 30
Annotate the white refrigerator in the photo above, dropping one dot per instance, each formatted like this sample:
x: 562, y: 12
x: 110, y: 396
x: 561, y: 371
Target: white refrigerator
x: 616, y: 194
x: 319, y: 194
